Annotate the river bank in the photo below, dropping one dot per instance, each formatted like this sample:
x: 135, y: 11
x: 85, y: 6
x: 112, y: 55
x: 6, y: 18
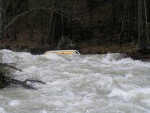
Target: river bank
x: 86, y: 47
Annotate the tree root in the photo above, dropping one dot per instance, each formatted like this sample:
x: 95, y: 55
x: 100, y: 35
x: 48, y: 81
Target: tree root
x: 9, y: 80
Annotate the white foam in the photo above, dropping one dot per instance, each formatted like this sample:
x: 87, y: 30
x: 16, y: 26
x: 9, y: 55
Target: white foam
x: 146, y: 101
x: 116, y: 92
x: 110, y: 58
x: 1, y: 96
x: 141, y: 93
x: 129, y: 75
x: 105, y: 82
x: 78, y: 84
x: 14, y: 103
x: 53, y: 56
x: 43, y: 111
x: 2, y: 110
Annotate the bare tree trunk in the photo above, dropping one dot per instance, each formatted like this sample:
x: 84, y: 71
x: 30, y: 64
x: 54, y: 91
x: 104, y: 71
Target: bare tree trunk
x: 71, y: 28
x: 113, y: 21
x: 140, y: 24
x: 146, y: 24
x: 51, y: 24
x: 14, y: 25
x: 0, y: 18
x: 57, y: 26
x: 42, y: 29
x: 129, y: 23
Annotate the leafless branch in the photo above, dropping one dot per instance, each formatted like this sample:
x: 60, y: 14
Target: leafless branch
x: 25, y: 83
x: 10, y: 66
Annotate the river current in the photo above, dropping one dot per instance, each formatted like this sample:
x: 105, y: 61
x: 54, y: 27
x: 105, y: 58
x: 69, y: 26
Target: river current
x: 107, y: 83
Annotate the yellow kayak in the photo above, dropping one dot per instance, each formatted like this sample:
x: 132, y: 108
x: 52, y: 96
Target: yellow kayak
x: 62, y: 52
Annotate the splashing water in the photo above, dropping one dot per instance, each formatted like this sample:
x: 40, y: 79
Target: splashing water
x: 105, y: 83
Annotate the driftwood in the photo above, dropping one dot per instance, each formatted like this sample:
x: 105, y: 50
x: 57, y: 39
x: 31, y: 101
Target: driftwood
x: 10, y: 66
x: 28, y: 83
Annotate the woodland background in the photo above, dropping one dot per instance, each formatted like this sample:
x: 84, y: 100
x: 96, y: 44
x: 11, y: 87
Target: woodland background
x: 91, y: 26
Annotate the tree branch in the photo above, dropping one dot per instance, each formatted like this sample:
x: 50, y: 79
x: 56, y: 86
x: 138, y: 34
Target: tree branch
x: 24, y: 83
x: 28, y: 12
x: 10, y: 66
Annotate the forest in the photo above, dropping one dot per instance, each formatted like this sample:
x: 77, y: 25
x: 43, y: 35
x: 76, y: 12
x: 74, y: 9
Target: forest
x: 91, y: 26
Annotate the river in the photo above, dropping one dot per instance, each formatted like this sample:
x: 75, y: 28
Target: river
x: 105, y: 83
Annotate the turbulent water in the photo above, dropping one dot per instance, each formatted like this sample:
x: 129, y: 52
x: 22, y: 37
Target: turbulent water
x: 105, y: 83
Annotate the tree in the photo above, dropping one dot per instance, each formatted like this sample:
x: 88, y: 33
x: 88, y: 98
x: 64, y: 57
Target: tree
x: 0, y: 18
x: 6, y: 79
x: 143, y: 37
x: 58, y: 19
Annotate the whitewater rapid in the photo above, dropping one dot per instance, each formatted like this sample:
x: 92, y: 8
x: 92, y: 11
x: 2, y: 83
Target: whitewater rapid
x: 105, y: 83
